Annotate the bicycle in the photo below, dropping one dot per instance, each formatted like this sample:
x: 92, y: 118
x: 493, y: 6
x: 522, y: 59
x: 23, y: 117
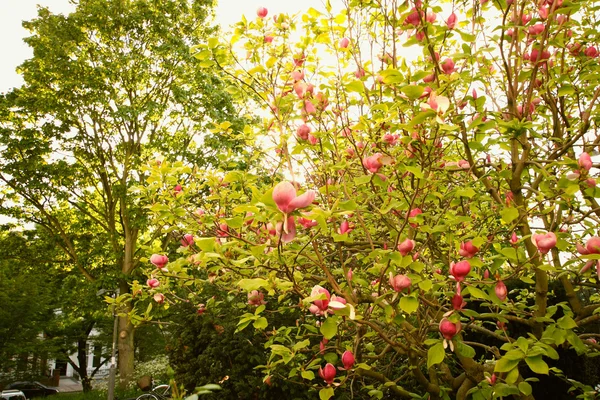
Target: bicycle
x: 160, y: 392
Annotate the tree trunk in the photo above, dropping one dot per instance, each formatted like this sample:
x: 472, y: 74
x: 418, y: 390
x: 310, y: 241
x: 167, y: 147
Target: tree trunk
x: 82, y: 358
x: 126, y: 345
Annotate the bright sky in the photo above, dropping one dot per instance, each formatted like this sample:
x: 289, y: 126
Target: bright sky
x: 13, y: 12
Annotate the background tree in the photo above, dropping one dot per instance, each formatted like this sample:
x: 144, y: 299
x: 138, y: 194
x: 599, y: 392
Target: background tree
x: 109, y: 86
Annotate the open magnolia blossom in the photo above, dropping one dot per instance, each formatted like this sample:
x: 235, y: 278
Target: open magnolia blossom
x: 284, y: 195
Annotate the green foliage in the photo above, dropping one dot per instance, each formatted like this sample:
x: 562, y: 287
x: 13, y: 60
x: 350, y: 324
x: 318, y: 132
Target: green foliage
x: 207, y: 349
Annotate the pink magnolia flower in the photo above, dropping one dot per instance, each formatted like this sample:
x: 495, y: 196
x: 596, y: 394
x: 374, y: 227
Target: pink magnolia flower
x: 412, y: 214
x: 286, y: 229
x: 585, y: 161
x: 187, y: 240
x: 348, y: 359
x: 303, y: 131
x: 312, y: 139
x: 262, y: 12
x: 327, y: 373
x: 391, y: 139
x: 307, y: 223
x: 467, y: 249
x: 322, y: 305
x: 223, y: 230
x: 159, y: 298
x: 591, y: 52
x: 309, y: 107
x: 177, y: 189
x: 399, y: 282
x: 592, y: 246
x: 460, y: 270
x: 256, y: 298
x: 448, y: 66
x: 284, y: 195
x: 153, y: 283
x: 536, y: 29
x: 457, y: 302
x: 373, y: 163
x: 451, y: 21
x: 345, y: 227
x: 414, y: 18
x: 343, y: 43
x: 406, y: 246
x: 268, y: 39
x: 500, y: 290
x: 201, y: 309
x: 159, y: 260
x: 544, y: 242
x: 449, y: 329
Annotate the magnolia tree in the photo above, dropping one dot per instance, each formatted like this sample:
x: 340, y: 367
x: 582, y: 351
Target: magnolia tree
x: 432, y: 222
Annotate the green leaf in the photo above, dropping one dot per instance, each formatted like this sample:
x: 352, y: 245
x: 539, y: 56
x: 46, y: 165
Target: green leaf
x: 435, y: 354
x: 409, y: 304
x: 326, y: 393
x: 566, y: 322
x: 253, y: 284
x: 509, y: 214
x: 309, y: 375
x: 416, y: 171
x: 329, y: 328
x: 477, y: 293
x: 413, y: 91
x: 465, y: 350
x: 525, y: 388
x: 504, y: 364
x: 301, y: 345
x: 537, y: 365
x: 260, y: 323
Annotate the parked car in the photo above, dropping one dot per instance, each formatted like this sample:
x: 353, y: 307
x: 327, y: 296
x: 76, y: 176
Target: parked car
x: 12, y: 395
x: 33, y: 389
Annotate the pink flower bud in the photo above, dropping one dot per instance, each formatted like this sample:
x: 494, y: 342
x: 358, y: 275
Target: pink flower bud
x: 585, y: 161
x: 514, y: 239
x: 448, y: 66
x: 256, y: 298
x: 268, y: 39
x: 449, y: 329
x: 591, y: 182
x: 460, y: 270
x: 153, y: 283
x: 457, y: 302
x: 309, y: 107
x: 543, y: 11
x: 349, y: 274
x: 159, y: 298
x: 186, y: 241
x: 536, y: 29
x: 467, y: 249
x: 177, y: 189
x: 544, y: 242
x: 429, y: 78
x: 201, y: 309
x: 451, y: 21
x: 348, y: 359
x: 344, y: 42
x: 345, y: 227
x: 593, y: 245
x: 159, y: 260
x: 406, y: 246
x: 501, y: 290
x: 262, y: 12
x: 486, y: 274
x: 591, y: 52
x: 327, y: 373
x: 307, y: 223
x: 430, y: 17
x: 399, y: 282
x: 303, y: 131
x: 360, y: 73
x: 414, y: 18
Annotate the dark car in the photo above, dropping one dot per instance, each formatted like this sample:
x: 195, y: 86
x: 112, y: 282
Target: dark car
x: 33, y: 389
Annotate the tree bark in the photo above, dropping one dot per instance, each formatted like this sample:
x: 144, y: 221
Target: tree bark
x: 125, y: 341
